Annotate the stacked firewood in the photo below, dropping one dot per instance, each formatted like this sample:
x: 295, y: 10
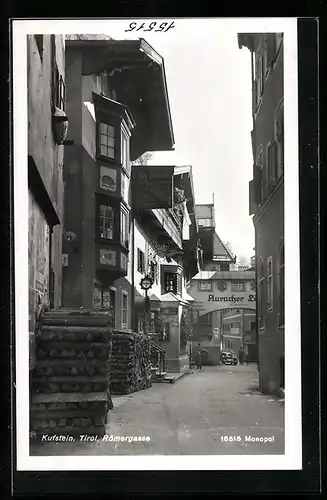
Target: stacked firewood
x: 130, y: 363
x: 70, y: 381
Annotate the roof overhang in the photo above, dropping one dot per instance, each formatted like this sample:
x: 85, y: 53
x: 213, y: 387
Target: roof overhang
x: 139, y: 78
x: 246, y: 40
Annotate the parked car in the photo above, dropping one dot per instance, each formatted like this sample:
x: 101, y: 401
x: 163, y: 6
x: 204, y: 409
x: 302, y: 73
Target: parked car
x: 228, y: 358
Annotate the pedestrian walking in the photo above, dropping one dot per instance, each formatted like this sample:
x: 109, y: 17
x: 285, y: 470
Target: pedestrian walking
x: 246, y: 356
x: 241, y: 356
x: 198, y: 358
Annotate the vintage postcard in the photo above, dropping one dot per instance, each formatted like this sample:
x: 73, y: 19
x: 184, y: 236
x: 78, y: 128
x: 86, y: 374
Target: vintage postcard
x: 156, y: 243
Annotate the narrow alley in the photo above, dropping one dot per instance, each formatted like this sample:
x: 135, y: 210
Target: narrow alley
x: 214, y: 411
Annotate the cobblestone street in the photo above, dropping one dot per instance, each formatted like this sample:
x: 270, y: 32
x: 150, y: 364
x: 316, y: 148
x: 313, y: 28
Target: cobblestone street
x: 214, y: 411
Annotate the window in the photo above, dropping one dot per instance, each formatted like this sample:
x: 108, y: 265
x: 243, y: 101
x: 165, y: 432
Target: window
x: 171, y: 283
x: 124, y: 315
x: 154, y: 272
x: 195, y: 315
x: 39, y: 43
x: 124, y: 151
x: 279, y: 137
x: 140, y: 261
x: 261, y: 173
x: 252, y: 325
x: 107, y: 140
x: 238, y: 286
x: 124, y: 230
x: 261, y: 293
x: 112, y: 300
x: 270, y: 283
x: 281, y: 284
x: 106, y: 226
x: 104, y: 85
x: 140, y: 323
x: 205, y: 285
x: 124, y: 187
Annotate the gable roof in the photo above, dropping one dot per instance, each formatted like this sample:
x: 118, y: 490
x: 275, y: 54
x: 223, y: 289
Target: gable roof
x: 220, y: 252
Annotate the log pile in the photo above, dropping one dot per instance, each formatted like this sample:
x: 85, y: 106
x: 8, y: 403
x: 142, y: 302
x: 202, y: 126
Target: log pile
x: 70, y: 381
x: 130, y: 363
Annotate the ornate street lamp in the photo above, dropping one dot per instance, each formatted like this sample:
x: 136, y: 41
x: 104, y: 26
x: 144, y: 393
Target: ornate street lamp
x: 146, y: 283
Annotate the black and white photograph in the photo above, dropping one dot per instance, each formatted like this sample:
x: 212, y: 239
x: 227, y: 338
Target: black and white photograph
x: 157, y: 244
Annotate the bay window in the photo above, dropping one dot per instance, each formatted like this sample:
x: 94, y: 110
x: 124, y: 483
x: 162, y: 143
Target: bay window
x: 107, y: 140
x: 106, y: 225
x: 124, y: 312
x: 124, y: 229
x: 124, y: 151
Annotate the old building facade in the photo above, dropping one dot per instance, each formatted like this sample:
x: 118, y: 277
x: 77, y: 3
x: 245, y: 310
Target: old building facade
x: 216, y: 288
x: 123, y: 221
x: 267, y: 200
x: 239, y: 329
x: 47, y: 127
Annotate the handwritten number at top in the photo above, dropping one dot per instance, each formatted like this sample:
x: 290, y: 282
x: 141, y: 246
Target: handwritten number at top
x: 151, y: 27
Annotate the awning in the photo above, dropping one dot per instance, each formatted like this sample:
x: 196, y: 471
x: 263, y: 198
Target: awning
x: 138, y: 76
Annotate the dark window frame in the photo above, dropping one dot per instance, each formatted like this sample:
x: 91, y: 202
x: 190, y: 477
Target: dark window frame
x: 140, y: 261
x: 112, y: 121
x: 261, y: 316
x: 123, y: 238
x: 101, y: 199
x: 171, y: 282
x: 105, y: 217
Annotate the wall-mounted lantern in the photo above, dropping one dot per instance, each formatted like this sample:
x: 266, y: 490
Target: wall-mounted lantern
x: 60, y: 125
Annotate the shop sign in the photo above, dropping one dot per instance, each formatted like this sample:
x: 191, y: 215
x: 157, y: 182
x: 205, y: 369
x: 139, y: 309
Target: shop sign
x: 152, y: 187
x: 108, y: 179
x: 231, y: 299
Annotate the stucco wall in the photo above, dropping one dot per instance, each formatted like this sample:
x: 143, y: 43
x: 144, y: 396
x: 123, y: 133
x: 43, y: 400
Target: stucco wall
x: 269, y: 231
x: 47, y: 155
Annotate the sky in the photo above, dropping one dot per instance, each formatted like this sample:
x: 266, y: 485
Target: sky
x: 209, y: 89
